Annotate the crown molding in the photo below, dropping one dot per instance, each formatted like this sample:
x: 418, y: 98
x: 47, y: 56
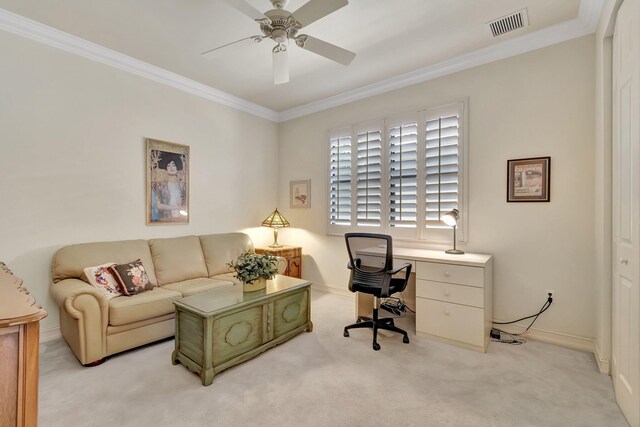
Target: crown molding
x: 36, y: 31
x: 585, y: 23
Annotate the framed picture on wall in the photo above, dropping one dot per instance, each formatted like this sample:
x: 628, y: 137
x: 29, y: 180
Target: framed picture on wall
x: 300, y: 193
x: 167, y: 183
x: 528, y: 180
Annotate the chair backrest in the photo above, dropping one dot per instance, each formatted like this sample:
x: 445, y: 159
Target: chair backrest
x: 368, y: 270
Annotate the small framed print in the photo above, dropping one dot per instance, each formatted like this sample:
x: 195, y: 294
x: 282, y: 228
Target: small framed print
x: 528, y: 180
x: 167, y: 183
x: 300, y: 193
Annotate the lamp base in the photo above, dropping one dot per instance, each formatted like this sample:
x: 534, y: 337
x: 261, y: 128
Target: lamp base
x: 275, y: 245
x: 454, y: 252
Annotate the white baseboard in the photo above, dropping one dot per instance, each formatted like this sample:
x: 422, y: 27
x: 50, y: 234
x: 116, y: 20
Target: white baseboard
x: 603, y: 363
x: 332, y: 290
x: 552, y: 337
x: 50, y: 334
x: 563, y: 340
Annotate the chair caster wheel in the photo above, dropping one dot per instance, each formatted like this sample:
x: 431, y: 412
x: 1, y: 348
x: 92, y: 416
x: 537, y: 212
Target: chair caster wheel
x: 376, y: 346
x: 405, y: 340
x: 346, y: 333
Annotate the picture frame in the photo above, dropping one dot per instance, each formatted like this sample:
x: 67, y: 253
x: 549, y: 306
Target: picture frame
x: 300, y: 194
x: 167, y: 182
x: 529, y: 180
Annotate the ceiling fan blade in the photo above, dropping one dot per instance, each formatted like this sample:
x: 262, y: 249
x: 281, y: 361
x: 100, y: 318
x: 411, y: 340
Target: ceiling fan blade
x: 328, y: 50
x: 316, y: 9
x: 247, y: 9
x: 280, y: 66
x: 228, y: 44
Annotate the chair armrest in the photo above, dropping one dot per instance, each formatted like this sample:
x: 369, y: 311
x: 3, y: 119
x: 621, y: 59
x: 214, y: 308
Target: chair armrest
x: 399, y: 269
x: 357, y: 262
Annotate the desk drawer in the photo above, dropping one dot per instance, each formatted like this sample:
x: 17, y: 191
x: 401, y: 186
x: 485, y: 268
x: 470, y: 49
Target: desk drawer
x: 450, y: 273
x: 447, y: 292
x: 451, y: 321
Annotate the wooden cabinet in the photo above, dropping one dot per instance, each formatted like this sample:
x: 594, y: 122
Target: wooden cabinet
x: 293, y: 255
x: 19, y: 342
x: 226, y: 326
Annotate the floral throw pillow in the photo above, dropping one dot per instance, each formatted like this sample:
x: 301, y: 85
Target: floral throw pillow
x: 131, y: 277
x: 101, y: 278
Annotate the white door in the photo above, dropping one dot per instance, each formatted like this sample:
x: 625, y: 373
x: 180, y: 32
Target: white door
x: 626, y: 211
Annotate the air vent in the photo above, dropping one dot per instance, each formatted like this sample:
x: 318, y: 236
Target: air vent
x: 508, y: 23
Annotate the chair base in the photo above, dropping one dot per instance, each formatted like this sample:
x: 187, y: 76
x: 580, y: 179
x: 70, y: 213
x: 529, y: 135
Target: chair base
x: 375, y: 323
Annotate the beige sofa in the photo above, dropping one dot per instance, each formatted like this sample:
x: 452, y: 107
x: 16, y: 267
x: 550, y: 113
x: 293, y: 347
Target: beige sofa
x: 96, y: 327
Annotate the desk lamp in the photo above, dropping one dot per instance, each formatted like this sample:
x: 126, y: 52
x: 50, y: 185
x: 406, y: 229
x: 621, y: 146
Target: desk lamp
x: 451, y: 218
x: 275, y: 221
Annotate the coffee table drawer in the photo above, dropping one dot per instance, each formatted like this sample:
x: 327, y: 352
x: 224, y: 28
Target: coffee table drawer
x: 290, y: 312
x: 236, y: 334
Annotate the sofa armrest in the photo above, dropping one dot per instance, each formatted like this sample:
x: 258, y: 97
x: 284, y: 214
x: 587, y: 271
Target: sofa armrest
x: 282, y: 265
x: 88, y: 316
x: 66, y: 291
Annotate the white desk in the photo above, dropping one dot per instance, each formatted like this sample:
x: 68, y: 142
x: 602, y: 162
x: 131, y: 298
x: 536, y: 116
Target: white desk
x: 452, y: 295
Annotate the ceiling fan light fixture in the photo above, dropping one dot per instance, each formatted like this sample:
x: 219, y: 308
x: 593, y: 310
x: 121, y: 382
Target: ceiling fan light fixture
x: 279, y: 4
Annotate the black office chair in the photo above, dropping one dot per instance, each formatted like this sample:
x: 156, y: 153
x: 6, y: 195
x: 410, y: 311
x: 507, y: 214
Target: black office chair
x: 377, y: 280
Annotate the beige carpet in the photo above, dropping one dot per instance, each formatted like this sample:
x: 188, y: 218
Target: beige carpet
x: 324, y: 379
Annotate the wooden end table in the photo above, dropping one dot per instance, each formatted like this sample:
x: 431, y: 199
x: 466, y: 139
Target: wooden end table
x: 226, y: 326
x: 293, y: 255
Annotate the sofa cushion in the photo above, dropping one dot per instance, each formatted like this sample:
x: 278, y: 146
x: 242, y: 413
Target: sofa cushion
x: 228, y: 277
x: 157, y: 302
x: 70, y: 261
x: 196, y: 286
x: 177, y: 259
x: 219, y: 249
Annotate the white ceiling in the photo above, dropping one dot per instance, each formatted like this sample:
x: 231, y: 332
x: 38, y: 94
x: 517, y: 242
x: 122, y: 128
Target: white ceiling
x: 390, y: 38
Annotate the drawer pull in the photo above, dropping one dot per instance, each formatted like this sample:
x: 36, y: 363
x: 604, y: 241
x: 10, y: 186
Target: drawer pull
x: 447, y: 293
x: 446, y: 274
x: 447, y: 312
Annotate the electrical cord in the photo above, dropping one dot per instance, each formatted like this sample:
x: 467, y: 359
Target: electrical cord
x: 516, y: 338
x: 544, y: 308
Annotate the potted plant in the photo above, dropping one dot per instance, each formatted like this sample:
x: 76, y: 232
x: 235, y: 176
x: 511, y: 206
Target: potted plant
x: 253, y: 270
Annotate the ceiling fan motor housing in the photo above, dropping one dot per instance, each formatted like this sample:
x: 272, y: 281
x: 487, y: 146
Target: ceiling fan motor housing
x: 281, y: 27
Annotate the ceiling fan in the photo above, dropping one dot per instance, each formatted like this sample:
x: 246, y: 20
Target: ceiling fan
x: 281, y: 26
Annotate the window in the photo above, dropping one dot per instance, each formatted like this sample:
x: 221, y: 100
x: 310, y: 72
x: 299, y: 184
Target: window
x: 369, y: 178
x: 340, y: 180
x: 400, y: 175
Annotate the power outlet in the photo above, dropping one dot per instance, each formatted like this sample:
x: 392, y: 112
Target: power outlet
x: 550, y: 291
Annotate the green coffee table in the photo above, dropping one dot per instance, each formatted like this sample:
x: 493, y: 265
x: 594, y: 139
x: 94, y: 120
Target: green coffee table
x: 226, y: 326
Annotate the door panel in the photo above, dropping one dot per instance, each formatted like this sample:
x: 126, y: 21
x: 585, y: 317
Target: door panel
x: 626, y: 211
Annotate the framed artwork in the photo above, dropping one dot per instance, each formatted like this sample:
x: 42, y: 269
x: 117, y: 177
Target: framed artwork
x: 529, y: 180
x: 167, y: 183
x: 300, y: 193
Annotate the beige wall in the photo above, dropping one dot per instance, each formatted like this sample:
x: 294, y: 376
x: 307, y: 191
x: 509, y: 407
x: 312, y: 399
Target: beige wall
x: 72, y: 135
x: 536, y: 104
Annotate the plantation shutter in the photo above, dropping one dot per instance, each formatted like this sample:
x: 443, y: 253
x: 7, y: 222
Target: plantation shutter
x: 442, y: 167
x: 340, y: 199
x: 369, y: 179
x: 403, y: 172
